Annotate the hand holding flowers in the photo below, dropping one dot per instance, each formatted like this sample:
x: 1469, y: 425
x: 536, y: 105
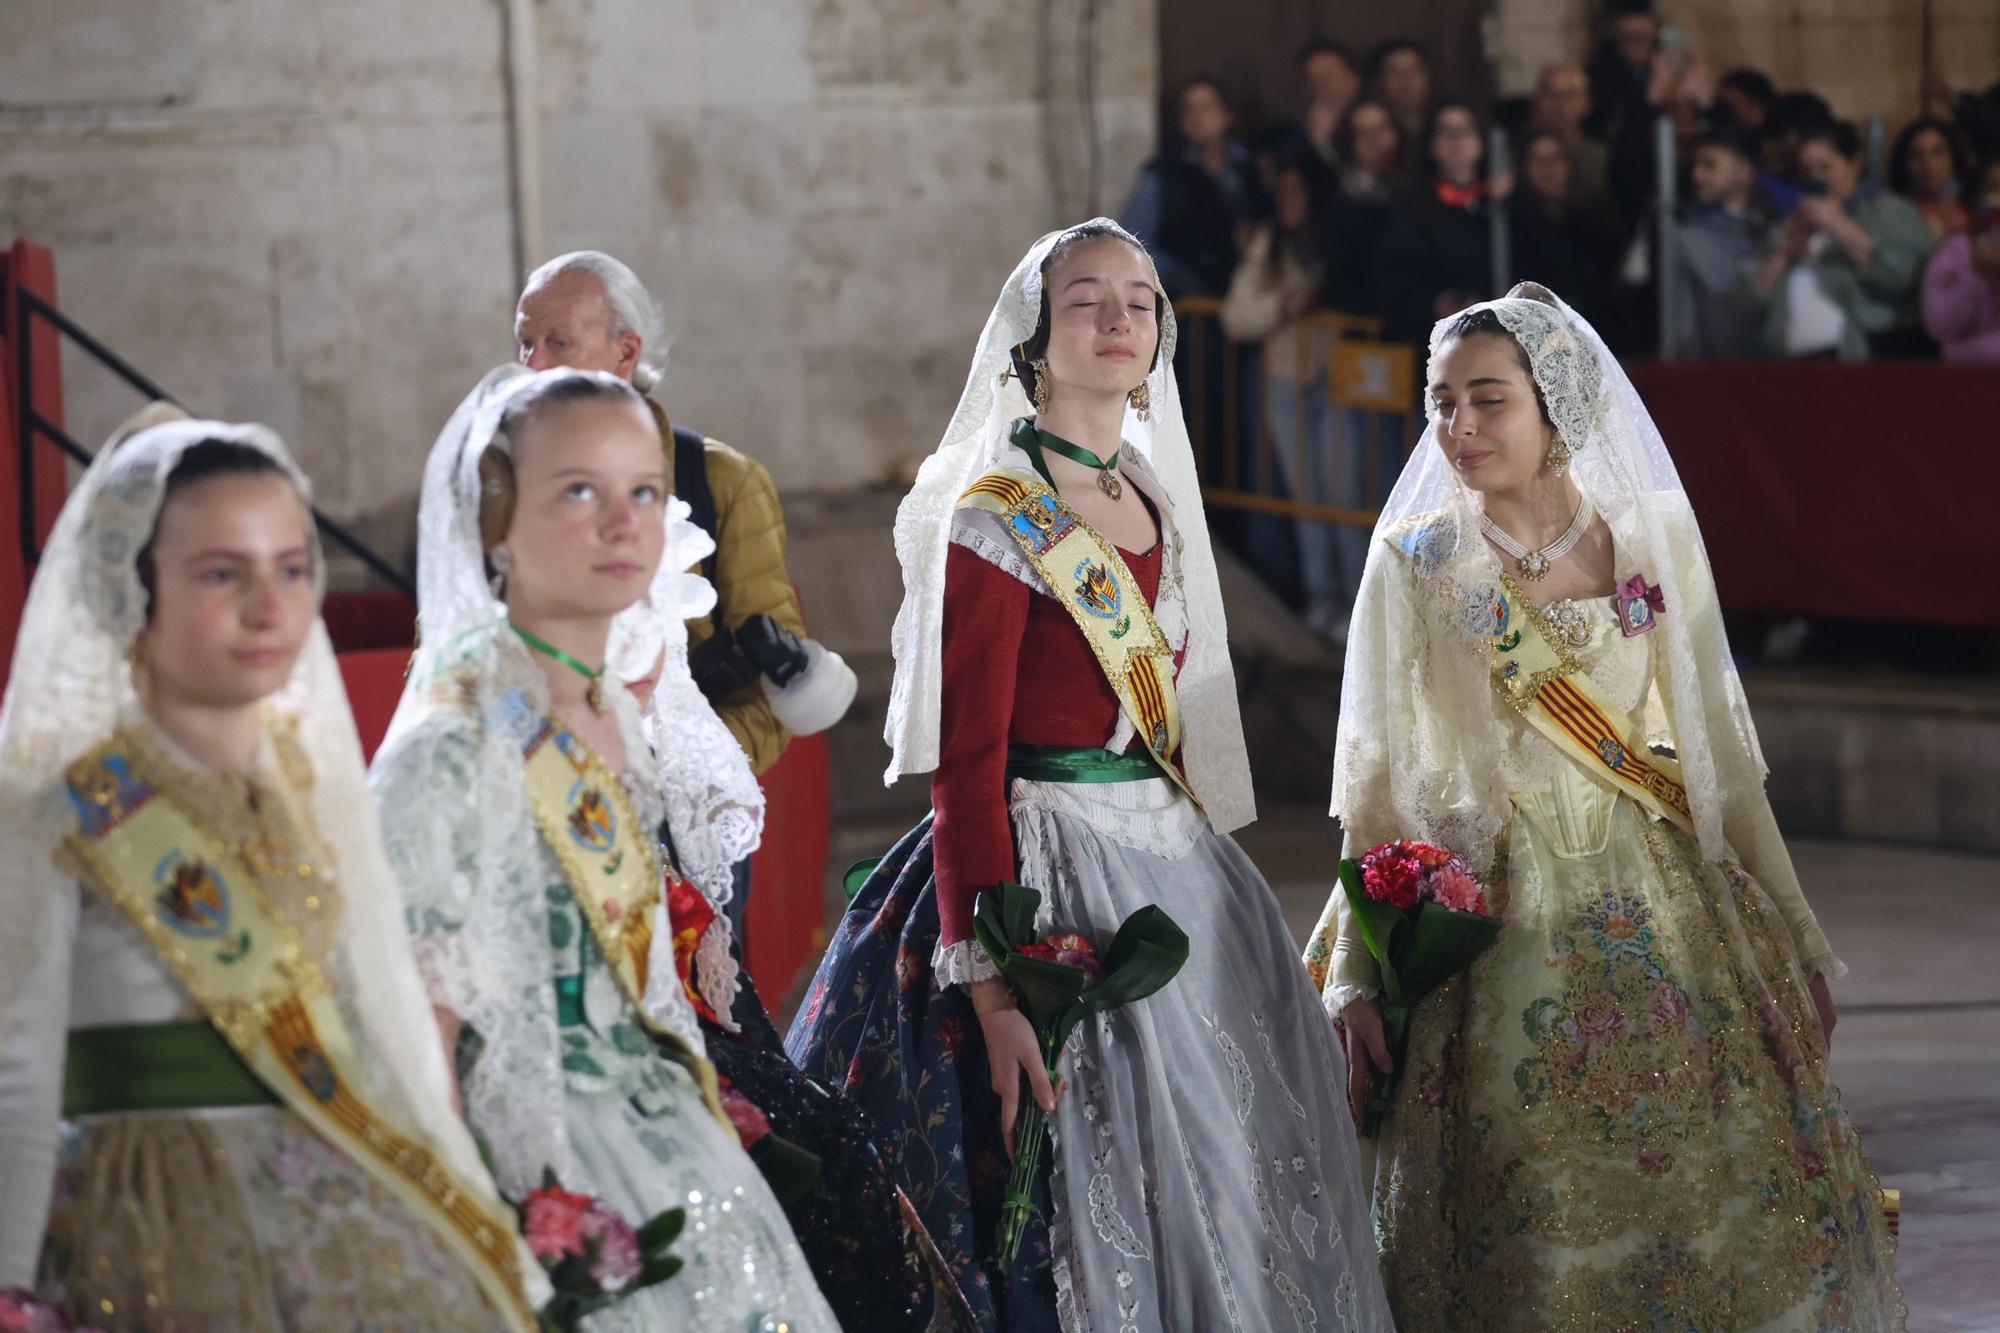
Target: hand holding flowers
x: 1424, y: 917
x: 593, y: 1256
x: 1060, y: 981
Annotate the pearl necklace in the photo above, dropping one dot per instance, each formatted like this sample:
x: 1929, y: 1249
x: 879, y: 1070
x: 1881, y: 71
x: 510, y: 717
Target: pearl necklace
x: 1535, y: 564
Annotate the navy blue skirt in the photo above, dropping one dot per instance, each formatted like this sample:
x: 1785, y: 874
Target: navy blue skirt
x: 876, y: 1024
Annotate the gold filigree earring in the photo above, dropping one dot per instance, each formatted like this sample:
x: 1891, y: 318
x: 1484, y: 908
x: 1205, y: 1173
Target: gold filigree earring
x: 1040, y: 396
x: 1559, y: 455
x: 1141, y: 399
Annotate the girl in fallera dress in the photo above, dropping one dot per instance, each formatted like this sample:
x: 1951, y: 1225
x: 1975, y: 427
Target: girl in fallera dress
x: 1621, y: 1117
x: 874, y: 1262
x: 203, y: 970
x: 1204, y: 1176
x: 520, y: 805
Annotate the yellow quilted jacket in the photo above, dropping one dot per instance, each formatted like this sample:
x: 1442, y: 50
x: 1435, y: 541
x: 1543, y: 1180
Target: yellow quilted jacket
x: 750, y: 579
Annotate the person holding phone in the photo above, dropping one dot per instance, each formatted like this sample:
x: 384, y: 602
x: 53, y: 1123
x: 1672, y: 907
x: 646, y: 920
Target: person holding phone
x: 1839, y: 276
x: 1642, y: 69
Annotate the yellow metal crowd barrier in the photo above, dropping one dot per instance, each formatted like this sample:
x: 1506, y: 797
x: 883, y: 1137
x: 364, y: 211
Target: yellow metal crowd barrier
x: 1370, y: 388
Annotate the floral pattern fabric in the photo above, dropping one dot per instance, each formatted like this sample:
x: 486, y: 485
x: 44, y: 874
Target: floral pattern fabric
x: 911, y: 1055
x: 1621, y: 1117
x: 875, y: 1263
x: 245, y: 1219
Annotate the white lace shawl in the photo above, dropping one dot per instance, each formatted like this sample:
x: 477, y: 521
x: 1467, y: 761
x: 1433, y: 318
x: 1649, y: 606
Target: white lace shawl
x: 1419, y: 747
x: 1218, y: 767
x: 714, y: 805
x: 71, y: 683
x: 455, y: 807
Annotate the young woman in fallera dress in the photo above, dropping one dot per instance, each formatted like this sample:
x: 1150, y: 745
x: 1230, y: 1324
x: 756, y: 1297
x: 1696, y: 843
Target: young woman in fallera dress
x: 1621, y: 1117
x: 203, y: 968
x: 1205, y: 1174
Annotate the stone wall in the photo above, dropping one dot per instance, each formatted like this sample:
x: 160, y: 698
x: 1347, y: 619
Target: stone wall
x: 301, y: 212
x: 1864, y: 56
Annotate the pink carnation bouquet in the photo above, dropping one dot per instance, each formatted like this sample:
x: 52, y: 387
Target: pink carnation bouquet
x: 1424, y: 917
x: 593, y: 1256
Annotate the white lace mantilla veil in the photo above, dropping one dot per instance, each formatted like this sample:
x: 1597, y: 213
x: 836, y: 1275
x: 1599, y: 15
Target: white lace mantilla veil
x: 1419, y: 747
x: 69, y: 688
x: 492, y: 968
x: 1218, y: 768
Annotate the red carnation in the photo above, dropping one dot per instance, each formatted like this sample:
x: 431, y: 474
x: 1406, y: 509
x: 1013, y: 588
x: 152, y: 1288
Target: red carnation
x: 1427, y: 855
x: 1076, y: 951
x: 552, y: 1221
x: 1395, y: 880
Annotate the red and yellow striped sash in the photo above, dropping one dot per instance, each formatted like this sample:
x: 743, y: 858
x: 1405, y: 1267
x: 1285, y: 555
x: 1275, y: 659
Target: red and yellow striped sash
x: 1543, y: 681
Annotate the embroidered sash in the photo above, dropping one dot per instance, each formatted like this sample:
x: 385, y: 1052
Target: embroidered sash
x: 201, y: 905
x: 1091, y: 580
x: 585, y: 816
x: 1543, y: 681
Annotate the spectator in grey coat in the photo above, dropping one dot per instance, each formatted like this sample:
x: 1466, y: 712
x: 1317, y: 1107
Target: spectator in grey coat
x: 1714, y: 318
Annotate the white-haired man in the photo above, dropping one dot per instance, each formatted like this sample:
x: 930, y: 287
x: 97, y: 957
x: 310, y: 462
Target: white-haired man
x: 590, y: 311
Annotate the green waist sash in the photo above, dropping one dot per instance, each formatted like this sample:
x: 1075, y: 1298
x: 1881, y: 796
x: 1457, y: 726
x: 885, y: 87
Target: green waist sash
x: 1063, y: 763
x: 156, y: 1067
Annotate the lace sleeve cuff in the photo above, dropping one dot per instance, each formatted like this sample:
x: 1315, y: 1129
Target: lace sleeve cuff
x: 962, y: 963
x: 1337, y: 997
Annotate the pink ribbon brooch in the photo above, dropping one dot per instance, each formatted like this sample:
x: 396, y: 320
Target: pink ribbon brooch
x: 1640, y: 605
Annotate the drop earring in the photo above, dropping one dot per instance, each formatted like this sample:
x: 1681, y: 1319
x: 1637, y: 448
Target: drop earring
x: 1141, y: 399
x: 501, y: 561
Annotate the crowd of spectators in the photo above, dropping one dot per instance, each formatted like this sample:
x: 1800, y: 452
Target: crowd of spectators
x: 1388, y: 197
x: 1785, y: 243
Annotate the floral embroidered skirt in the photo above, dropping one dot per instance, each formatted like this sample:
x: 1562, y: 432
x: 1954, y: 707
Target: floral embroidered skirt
x: 874, y: 1262
x: 1621, y: 1117
x: 1206, y: 1174
x: 911, y: 1056
x: 224, y: 1221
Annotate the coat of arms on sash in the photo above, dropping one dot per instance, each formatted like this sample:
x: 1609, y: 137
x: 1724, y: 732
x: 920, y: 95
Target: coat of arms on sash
x: 192, y: 897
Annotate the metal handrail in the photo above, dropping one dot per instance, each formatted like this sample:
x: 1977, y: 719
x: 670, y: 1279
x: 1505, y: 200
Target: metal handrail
x: 1201, y: 320
x: 33, y: 423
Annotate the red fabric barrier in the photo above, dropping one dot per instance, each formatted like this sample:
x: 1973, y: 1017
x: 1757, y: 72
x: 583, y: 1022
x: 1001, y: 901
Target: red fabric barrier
x: 25, y: 266
x: 788, y: 872
x: 1867, y: 492
x: 373, y: 618
x: 374, y: 680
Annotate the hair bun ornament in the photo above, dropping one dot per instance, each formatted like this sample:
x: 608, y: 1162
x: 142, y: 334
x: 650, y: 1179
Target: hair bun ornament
x: 1532, y: 291
x: 156, y: 413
